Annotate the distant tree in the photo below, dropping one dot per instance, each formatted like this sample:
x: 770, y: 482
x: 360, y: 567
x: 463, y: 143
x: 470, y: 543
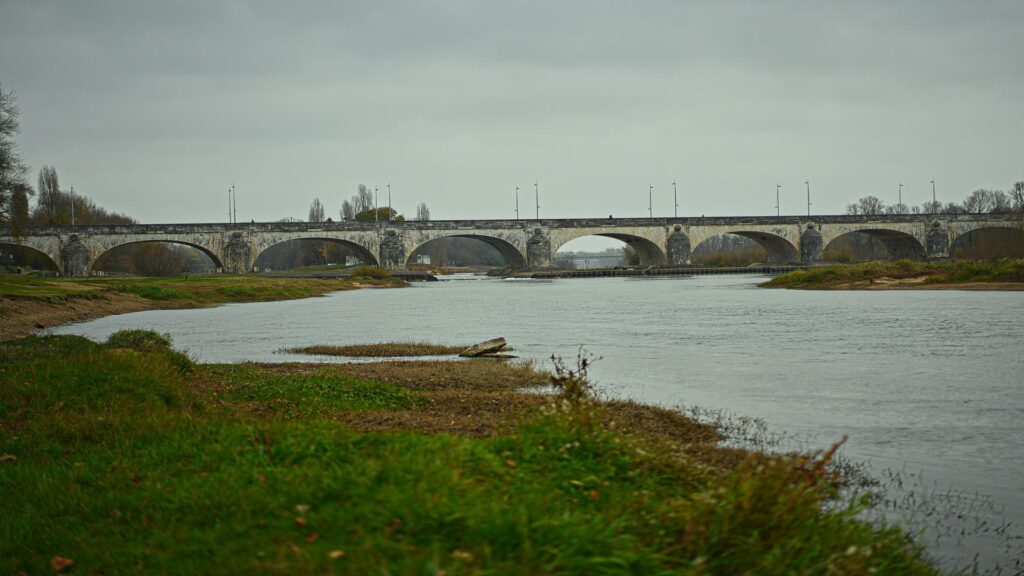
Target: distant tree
x: 422, y: 212
x: 898, y: 208
x: 979, y: 201
x: 363, y: 200
x: 630, y: 257
x: 348, y: 212
x: 50, y: 205
x: 868, y: 206
x: 1001, y: 202
x: 14, y: 187
x: 382, y: 215
x: 931, y: 207
x: 953, y: 208
x: 316, y: 211
x: 1017, y: 196
x: 289, y: 219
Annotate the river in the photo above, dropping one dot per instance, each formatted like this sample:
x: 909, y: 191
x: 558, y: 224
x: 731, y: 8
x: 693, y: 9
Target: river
x: 927, y: 383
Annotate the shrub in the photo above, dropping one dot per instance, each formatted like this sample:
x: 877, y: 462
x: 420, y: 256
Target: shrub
x: 149, y: 342
x: 153, y: 292
x: 371, y: 272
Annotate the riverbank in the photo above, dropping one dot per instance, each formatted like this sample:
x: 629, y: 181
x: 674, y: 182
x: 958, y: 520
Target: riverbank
x: 157, y: 465
x: 907, y: 275
x: 30, y: 303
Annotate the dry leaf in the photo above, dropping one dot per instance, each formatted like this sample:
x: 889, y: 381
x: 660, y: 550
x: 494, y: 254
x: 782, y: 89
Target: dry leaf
x: 335, y: 554
x: 511, y: 463
x: 300, y: 521
x: 8, y: 457
x: 302, y: 508
x: 312, y: 537
x: 60, y: 564
x: 462, y: 555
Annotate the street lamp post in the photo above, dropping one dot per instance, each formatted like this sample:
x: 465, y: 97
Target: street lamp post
x: 389, y: 200
x: 808, y: 182
x: 675, y: 199
x: 517, y: 202
x: 536, y: 195
x: 934, y: 201
x: 650, y: 202
x: 899, y: 198
x: 72, y: 205
x: 778, y: 211
x: 376, y: 207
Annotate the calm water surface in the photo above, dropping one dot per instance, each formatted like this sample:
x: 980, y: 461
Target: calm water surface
x: 925, y: 381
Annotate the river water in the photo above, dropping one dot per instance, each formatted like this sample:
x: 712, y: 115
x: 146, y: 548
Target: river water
x: 927, y: 383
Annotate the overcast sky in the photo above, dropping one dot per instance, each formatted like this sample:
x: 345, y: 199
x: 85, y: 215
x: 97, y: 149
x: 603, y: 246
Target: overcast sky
x: 155, y: 108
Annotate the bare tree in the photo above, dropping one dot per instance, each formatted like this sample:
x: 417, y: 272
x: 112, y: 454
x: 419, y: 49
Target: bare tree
x: 316, y: 211
x: 363, y: 200
x: 1001, y: 202
x: 1017, y: 196
x: 348, y: 212
x: 422, y: 212
x: 50, y: 204
x: 868, y: 205
x: 14, y: 188
x: 930, y: 207
x: 898, y: 208
x: 979, y: 201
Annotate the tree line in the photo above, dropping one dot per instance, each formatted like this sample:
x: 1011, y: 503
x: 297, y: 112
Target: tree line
x: 980, y: 201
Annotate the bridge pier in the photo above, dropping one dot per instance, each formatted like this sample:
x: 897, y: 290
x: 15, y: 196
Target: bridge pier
x: 74, y: 258
x: 392, y: 249
x: 538, y: 250
x: 677, y: 247
x: 811, y: 245
x: 937, y: 241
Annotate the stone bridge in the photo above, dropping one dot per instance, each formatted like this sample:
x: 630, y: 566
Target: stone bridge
x: 525, y: 244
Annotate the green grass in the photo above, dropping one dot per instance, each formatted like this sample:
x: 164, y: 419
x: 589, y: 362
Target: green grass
x: 116, y: 459
x: 953, y: 272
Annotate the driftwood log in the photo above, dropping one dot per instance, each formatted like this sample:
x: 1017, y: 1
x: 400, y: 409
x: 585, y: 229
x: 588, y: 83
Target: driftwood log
x: 481, y: 348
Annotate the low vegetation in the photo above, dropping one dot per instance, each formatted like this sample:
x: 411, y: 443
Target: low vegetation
x: 29, y: 303
x: 115, y: 460
x: 201, y: 289
x: 382, y: 350
x: 901, y: 274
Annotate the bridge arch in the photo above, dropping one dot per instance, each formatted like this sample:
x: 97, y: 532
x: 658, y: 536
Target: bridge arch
x: 361, y: 252
x: 513, y: 256
x: 779, y: 249
x: 899, y: 245
x: 648, y: 252
x: 217, y: 263
x: 30, y: 255
x: 1001, y: 241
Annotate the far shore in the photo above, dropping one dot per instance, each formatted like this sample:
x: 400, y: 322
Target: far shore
x: 29, y: 304
x: 1001, y: 275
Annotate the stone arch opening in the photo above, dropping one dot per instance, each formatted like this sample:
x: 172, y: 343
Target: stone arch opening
x: 319, y: 252
x: 607, y: 250
x: 778, y: 249
x: 894, y: 244
x: 728, y: 250
x: 467, y: 250
x: 15, y: 257
x: 989, y: 242
x: 155, y: 258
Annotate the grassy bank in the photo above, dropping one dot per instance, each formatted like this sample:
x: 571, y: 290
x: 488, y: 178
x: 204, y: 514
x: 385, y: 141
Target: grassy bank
x: 905, y: 274
x: 125, y: 458
x: 29, y: 303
